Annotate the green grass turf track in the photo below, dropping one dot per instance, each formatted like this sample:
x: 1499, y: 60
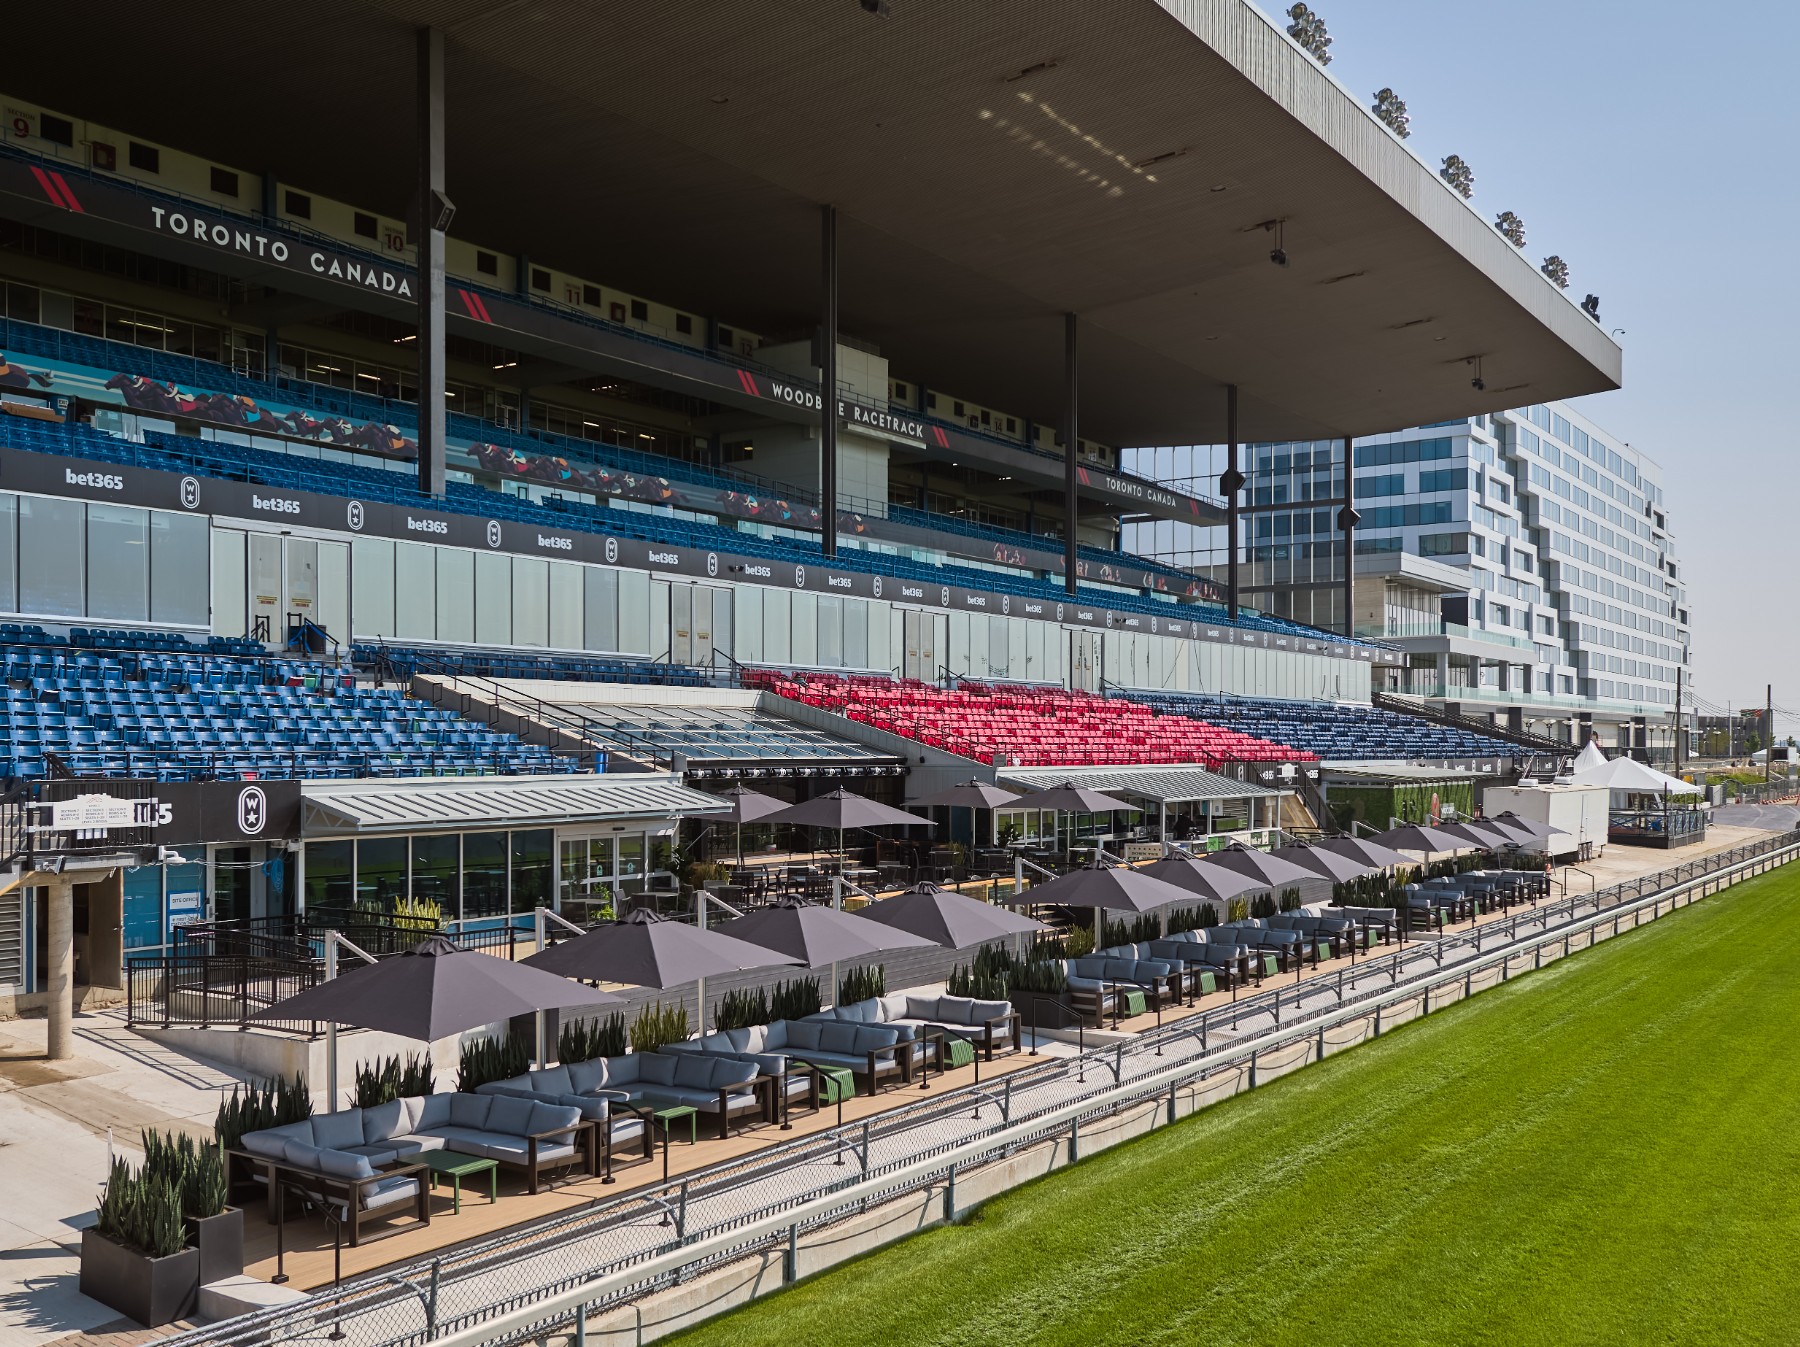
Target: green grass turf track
x: 1606, y: 1151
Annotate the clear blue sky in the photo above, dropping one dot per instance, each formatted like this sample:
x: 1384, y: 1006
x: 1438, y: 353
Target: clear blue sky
x: 1655, y: 147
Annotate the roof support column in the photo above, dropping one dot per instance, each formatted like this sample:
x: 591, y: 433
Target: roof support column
x: 1347, y: 517
x: 1231, y: 486
x: 59, y: 969
x: 1071, y: 444
x: 434, y: 218
x: 828, y: 380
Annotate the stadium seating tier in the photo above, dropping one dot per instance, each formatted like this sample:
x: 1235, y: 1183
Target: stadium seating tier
x: 186, y: 716
x: 1020, y: 726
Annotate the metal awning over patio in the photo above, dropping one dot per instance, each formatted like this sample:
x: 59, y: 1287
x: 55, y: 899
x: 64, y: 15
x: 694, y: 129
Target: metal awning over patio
x: 1163, y: 785
x: 407, y: 804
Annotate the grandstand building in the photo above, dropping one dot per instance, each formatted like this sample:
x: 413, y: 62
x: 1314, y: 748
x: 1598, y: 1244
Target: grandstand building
x: 778, y: 473
x: 1523, y: 560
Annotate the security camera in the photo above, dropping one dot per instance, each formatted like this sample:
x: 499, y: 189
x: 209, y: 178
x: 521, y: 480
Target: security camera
x: 1278, y: 256
x: 169, y: 856
x: 1478, y: 384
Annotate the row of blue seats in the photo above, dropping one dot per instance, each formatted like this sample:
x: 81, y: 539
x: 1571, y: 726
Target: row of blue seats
x: 1333, y: 730
x: 405, y: 661
x: 106, y: 638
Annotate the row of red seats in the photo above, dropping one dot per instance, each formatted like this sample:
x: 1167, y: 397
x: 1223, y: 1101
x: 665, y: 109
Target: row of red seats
x: 1027, y: 727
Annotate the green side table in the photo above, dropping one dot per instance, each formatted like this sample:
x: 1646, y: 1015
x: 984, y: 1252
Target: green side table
x: 668, y: 1117
x: 450, y: 1165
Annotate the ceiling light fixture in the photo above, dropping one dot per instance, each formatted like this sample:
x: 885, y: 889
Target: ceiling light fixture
x: 1277, y: 254
x: 1037, y: 69
x: 1159, y: 158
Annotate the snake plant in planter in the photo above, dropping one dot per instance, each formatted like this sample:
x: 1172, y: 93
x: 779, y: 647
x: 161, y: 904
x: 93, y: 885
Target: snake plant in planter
x: 218, y: 1228
x: 135, y: 1257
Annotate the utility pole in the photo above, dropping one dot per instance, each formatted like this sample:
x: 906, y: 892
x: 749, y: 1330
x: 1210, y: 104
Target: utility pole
x: 1768, y: 733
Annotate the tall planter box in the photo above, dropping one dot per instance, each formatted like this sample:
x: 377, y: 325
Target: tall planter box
x: 1048, y: 1010
x: 151, y: 1291
x: 219, y: 1240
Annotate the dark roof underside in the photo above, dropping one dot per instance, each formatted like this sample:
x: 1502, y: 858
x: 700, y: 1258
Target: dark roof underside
x: 680, y: 151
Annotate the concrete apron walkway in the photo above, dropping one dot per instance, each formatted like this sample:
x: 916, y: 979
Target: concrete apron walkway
x: 55, y: 1120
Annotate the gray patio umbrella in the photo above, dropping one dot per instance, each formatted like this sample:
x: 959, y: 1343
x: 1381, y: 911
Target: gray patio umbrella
x: 1213, y: 882
x: 1417, y: 837
x: 1478, y: 834
x: 969, y: 795
x: 842, y: 810
x: 1270, y: 871
x: 1369, y: 853
x: 1104, y: 887
x: 647, y: 950
x: 432, y: 991
x: 1528, y: 829
x: 947, y: 918
x: 1332, y: 865
x: 749, y: 806
x: 819, y: 937
x: 1069, y: 798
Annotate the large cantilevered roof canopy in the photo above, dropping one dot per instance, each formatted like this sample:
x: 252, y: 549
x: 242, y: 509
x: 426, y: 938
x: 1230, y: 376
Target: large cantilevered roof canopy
x: 994, y: 165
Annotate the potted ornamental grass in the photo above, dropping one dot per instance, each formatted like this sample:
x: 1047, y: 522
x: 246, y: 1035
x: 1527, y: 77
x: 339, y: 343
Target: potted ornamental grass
x: 163, y: 1231
x: 135, y: 1257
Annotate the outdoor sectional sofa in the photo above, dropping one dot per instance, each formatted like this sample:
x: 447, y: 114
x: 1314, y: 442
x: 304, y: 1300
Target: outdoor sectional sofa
x: 794, y: 1082
x: 570, y: 1086
x: 1199, y: 951
x: 364, y: 1161
x: 986, y: 1024
x: 643, y: 1082
x: 1095, y: 981
x: 873, y: 1052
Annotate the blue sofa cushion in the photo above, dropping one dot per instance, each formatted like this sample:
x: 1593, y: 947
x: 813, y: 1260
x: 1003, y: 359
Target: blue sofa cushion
x: 335, y: 1131
x: 345, y: 1165
x: 546, y: 1117
x: 384, y: 1122
x: 470, y: 1110
x: 586, y: 1076
x: 507, y: 1115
